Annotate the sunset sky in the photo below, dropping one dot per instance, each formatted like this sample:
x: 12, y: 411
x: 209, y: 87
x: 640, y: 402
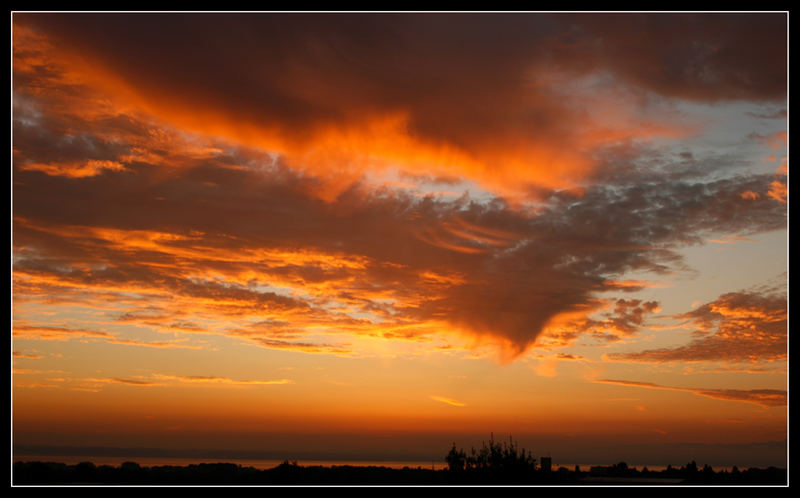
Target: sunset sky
x: 368, y: 236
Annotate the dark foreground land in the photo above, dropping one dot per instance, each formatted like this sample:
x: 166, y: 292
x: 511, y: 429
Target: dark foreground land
x: 129, y: 473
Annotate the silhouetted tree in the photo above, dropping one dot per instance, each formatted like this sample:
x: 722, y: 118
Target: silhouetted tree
x: 456, y: 459
x: 496, y: 457
x: 85, y: 472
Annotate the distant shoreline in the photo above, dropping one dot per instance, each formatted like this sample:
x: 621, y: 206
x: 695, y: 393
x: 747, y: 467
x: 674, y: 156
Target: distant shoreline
x: 268, y: 463
x: 130, y: 473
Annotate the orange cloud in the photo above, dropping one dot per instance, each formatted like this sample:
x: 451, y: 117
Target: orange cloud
x: 730, y: 240
x: 776, y: 141
x: 737, y: 327
x: 778, y: 191
x: 205, y: 379
x: 270, y: 342
x: 447, y: 401
x: 90, y: 168
x: 515, y: 136
x: 30, y: 356
x: 764, y: 397
x: 618, y: 319
x: 116, y: 380
x: 214, y: 234
x: 27, y: 331
x: 153, y: 344
x: 21, y: 330
x: 632, y: 285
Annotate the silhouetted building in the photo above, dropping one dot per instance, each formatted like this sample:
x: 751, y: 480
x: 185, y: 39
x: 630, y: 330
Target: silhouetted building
x: 547, y: 464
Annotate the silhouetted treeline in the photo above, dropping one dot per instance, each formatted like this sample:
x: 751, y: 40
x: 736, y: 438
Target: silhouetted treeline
x: 506, y: 463
x: 492, y: 464
x: 689, y: 474
x: 130, y: 473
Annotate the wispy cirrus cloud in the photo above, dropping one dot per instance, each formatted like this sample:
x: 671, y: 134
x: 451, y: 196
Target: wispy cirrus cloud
x: 212, y: 379
x: 94, y: 384
x: 764, y: 397
x: 118, y: 380
x: 154, y: 344
x: 38, y: 332
x: 447, y: 401
x: 55, y: 333
x: 29, y: 356
x: 72, y: 170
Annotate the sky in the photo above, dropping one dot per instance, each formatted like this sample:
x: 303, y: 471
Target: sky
x: 371, y: 236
